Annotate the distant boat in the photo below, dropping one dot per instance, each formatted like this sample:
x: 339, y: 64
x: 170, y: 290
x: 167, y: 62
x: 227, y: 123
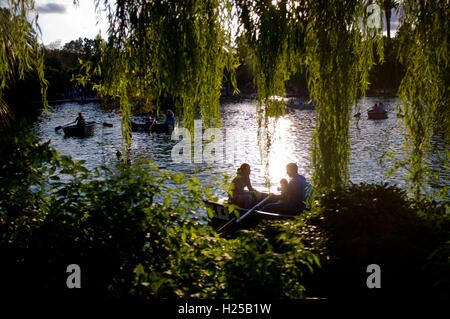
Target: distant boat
x: 161, y: 128
x: 377, y: 115
x: 155, y: 127
x: 74, y: 130
x: 299, y: 104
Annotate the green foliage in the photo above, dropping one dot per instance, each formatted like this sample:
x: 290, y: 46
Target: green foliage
x: 19, y: 49
x: 269, y: 262
x: 424, y: 89
x: 338, y: 58
x: 377, y: 224
x: 168, y: 48
x: 181, y: 49
x: 326, y: 40
x: 62, y: 65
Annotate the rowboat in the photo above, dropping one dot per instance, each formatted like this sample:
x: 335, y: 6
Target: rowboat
x: 140, y: 127
x: 155, y: 127
x: 377, y: 115
x: 161, y: 128
x: 221, y: 216
x: 296, y: 104
x: 74, y: 130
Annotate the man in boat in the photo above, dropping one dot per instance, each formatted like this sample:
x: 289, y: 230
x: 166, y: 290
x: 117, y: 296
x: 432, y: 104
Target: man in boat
x: 292, y: 200
x: 239, y: 196
x: 170, y: 118
x: 81, y: 122
x: 382, y: 108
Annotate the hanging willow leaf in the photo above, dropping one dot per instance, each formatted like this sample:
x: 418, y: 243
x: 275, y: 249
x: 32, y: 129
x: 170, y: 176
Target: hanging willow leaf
x: 19, y: 49
x: 424, y: 89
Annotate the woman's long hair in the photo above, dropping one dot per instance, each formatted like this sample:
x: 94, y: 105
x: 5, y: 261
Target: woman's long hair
x: 244, y: 167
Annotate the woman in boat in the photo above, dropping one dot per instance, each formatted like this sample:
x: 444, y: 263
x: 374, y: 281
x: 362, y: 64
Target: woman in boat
x: 374, y: 108
x: 239, y: 196
x: 151, y: 117
x: 292, y: 200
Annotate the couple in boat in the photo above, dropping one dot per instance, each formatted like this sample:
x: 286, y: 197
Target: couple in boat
x: 291, y: 200
x: 378, y: 108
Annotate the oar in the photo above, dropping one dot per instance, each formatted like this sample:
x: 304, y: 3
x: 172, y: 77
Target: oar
x: 359, y: 113
x: 60, y: 127
x: 233, y: 223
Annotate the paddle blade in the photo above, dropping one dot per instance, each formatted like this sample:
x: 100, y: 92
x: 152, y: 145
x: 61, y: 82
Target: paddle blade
x: 58, y: 128
x: 228, y: 227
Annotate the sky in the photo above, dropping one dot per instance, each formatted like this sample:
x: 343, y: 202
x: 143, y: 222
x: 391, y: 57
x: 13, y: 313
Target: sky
x: 61, y: 20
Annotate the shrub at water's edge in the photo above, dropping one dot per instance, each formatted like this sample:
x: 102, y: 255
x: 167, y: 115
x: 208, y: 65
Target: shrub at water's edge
x: 378, y: 224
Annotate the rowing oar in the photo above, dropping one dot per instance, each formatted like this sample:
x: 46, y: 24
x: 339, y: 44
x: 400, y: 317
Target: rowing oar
x: 60, y: 127
x: 359, y: 113
x: 233, y: 223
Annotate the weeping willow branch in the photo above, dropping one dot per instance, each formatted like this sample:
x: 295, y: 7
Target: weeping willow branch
x: 162, y: 48
x: 331, y: 40
x: 19, y: 49
x: 424, y: 89
x: 182, y: 48
x: 339, y: 55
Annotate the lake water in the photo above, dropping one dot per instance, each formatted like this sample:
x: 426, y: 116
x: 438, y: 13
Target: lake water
x: 291, y: 140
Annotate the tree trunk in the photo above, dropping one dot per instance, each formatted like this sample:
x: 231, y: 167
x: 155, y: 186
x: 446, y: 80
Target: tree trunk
x: 387, y: 13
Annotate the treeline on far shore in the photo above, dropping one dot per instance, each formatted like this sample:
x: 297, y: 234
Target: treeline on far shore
x: 64, y: 63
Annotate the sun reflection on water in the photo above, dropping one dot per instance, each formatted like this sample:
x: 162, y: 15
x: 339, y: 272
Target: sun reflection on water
x: 281, y: 150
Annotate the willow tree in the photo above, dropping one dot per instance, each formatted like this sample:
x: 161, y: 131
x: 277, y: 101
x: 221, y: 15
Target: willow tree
x: 423, y: 91
x: 19, y: 48
x: 332, y: 41
x: 181, y: 48
x: 175, y: 48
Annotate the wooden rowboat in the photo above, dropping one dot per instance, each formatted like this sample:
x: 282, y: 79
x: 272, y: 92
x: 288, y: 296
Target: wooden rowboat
x: 161, y: 128
x: 155, y: 127
x: 221, y: 217
x: 140, y: 127
x: 297, y: 105
x: 377, y: 115
x: 74, y: 130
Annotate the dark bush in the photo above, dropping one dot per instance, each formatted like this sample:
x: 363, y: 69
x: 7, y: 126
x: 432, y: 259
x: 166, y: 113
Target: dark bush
x: 378, y: 224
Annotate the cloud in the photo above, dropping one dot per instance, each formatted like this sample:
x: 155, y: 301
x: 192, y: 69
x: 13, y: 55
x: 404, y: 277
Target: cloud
x: 51, y: 8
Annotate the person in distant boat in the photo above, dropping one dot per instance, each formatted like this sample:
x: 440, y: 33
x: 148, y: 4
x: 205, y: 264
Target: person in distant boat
x: 151, y: 117
x: 170, y: 118
x: 292, y: 200
x: 239, y: 196
x: 374, y: 108
x: 81, y: 122
x: 381, y: 108
x: 119, y: 155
